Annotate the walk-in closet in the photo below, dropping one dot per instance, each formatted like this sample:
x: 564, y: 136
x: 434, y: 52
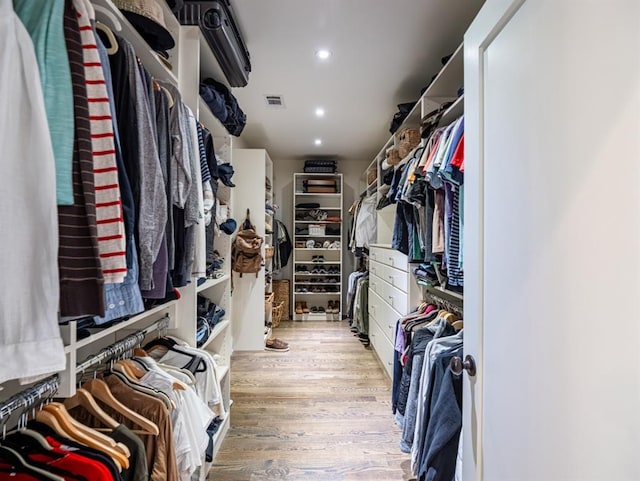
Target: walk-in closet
x: 251, y: 240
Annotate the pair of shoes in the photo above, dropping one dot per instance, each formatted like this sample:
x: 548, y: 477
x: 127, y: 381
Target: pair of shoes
x: 333, y: 308
x: 301, y: 269
x: 302, y: 289
x: 326, y: 245
x: 298, y: 307
x: 275, y: 344
x: 333, y: 245
x: 317, y: 310
x: 333, y: 270
x: 317, y: 259
x: 310, y: 244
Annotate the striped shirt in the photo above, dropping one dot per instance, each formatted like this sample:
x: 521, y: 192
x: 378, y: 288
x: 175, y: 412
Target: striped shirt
x: 110, y: 223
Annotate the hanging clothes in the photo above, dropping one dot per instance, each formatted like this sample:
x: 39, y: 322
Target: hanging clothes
x: 44, y: 21
x: 81, y: 279
x: 30, y: 343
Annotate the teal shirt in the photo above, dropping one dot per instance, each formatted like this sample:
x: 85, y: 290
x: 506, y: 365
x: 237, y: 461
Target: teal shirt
x: 43, y: 21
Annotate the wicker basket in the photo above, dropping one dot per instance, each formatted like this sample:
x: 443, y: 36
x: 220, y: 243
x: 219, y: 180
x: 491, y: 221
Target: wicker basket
x: 409, y: 139
x: 276, y: 314
x: 282, y: 293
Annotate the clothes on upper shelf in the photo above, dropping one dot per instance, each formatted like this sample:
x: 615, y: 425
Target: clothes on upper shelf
x: 224, y: 105
x: 428, y: 190
x: 426, y: 395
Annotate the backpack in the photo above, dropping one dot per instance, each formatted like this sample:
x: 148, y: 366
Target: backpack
x: 246, y: 256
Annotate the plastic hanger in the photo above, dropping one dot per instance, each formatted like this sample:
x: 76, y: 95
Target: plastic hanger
x: 12, y: 456
x: 113, y: 46
x: 100, y: 391
x: 83, y: 398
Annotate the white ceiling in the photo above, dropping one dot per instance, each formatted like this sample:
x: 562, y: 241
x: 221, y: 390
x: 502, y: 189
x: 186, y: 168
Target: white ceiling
x: 384, y: 52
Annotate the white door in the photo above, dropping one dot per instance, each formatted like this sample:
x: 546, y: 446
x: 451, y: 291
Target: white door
x: 552, y: 241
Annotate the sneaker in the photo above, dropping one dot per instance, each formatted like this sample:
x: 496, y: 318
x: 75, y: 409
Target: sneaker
x: 276, y: 344
x: 310, y: 244
x: 326, y: 244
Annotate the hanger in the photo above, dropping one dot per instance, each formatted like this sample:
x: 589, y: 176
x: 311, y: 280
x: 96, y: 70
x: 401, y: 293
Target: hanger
x: 100, y: 391
x: 12, y: 456
x: 458, y: 325
x: 166, y: 92
x: 113, y: 46
x: 150, y: 391
x: 83, y: 398
x: 62, y: 425
x: 110, y: 15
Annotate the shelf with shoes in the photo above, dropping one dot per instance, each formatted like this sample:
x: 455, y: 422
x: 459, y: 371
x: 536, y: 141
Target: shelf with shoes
x: 318, y: 240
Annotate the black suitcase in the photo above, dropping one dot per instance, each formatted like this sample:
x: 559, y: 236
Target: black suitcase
x: 215, y: 19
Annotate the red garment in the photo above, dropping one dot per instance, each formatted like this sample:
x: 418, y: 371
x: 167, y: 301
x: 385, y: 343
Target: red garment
x: 458, y: 156
x: 6, y: 473
x: 74, y: 462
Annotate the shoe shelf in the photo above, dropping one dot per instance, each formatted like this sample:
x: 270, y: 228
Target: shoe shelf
x: 320, y: 206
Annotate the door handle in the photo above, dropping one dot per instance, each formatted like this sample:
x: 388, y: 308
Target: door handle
x: 457, y: 365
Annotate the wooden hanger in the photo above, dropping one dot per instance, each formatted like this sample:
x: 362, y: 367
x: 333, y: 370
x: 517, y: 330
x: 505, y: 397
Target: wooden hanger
x: 458, y: 325
x: 62, y: 424
x: 100, y: 390
x: 83, y: 398
x: 113, y: 46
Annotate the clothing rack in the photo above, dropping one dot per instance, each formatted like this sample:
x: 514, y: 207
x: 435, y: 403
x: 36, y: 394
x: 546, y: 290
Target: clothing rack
x: 122, y: 346
x: 452, y: 305
x: 23, y: 400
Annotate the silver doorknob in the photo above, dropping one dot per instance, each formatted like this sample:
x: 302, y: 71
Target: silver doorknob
x: 457, y: 365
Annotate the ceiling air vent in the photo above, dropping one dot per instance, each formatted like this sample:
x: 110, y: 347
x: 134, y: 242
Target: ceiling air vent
x: 274, y: 101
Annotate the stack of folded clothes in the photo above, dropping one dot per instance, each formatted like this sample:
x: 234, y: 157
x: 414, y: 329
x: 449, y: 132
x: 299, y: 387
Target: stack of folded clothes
x: 223, y: 105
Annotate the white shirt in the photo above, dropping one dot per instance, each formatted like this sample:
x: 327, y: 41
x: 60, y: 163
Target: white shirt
x: 30, y: 343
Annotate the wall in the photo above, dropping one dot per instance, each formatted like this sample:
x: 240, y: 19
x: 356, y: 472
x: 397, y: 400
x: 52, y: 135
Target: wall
x: 283, y: 170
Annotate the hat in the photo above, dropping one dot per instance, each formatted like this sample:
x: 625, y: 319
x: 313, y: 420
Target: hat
x: 225, y: 172
x: 229, y: 226
x: 147, y: 18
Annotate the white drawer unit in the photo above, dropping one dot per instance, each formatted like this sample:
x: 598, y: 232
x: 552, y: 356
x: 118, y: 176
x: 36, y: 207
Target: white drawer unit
x: 382, y: 346
x: 388, y: 256
x: 392, y: 295
x: 395, y: 277
x: 384, y: 314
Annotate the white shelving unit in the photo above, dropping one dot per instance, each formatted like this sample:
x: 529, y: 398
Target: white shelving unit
x: 253, y: 166
x: 313, y: 284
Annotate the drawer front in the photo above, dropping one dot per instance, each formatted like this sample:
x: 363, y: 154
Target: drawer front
x: 384, y: 315
x: 389, y: 257
x: 383, y: 348
x: 393, y: 276
x: 391, y: 295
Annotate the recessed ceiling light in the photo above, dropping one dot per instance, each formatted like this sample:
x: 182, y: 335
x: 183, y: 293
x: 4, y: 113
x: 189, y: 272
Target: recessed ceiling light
x: 323, y: 54
x: 319, y: 112
x: 318, y: 141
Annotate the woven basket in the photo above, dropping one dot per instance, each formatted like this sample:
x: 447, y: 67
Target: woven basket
x: 282, y: 293
x: 393, y: 156
x: 409, y: 139
x: 276, y: 314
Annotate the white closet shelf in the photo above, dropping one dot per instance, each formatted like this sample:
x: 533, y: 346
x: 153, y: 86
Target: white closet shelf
x: 102, y: 333
x: 110, y: 15
x: 318, y: 208
x: 209, y: 283
x: 305, y: 283
x: 217, y: 330
x: 209, y: 120
x: 318, y: 195
x: 318, y: 222
x: 313, y: 275
x: 449, y: 79
x: 455, y: 110
x: 309, y: 235
x: 319, y: 263
x: 303, y: 249
x: 317, y: 293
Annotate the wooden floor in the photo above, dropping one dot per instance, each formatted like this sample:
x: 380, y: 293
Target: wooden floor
x: 320, y: 412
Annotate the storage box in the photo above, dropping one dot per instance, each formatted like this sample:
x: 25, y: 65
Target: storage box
x: 316, y: 229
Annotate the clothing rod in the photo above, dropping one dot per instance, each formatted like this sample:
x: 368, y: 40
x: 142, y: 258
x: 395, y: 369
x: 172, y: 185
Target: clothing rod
x: 123, y: 345
x: 27, y: 398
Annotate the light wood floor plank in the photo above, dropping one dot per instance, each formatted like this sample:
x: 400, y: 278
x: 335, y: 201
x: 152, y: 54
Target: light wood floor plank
x: 320, y: 412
